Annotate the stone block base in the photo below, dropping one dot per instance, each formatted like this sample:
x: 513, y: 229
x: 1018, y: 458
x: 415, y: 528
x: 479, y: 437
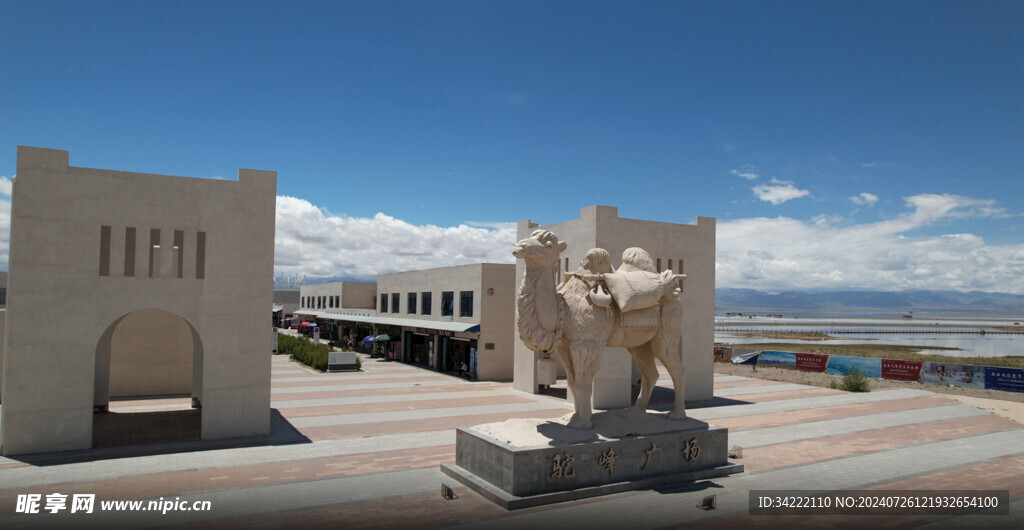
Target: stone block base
x: 523, y: 463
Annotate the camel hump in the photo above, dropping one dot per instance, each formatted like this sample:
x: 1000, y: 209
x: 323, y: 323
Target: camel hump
x: 635, y: 289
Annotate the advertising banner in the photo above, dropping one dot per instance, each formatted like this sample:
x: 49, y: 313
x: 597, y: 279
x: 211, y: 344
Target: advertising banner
x: 748, y: 357
x: 867, y: 366
x: 811, y: 362
x: 967, y: 375
x: 998, y: 378
x: 901, y: 370
x: 781, y: 359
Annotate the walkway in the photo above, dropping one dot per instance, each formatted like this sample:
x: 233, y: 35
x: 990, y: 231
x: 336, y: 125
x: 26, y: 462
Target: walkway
x: 369, y: 446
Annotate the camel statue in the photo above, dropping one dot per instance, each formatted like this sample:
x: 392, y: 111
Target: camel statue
x: 576, y: 320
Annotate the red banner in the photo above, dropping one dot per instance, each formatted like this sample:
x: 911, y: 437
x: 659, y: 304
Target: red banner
x: 901, y: 370
x: 811, y: 362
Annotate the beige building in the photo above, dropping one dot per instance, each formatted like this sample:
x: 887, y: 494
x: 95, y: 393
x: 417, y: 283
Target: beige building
x: 336, y: 295
x: 147, y: 284
x: 437, y: 318
x: 685, y: 249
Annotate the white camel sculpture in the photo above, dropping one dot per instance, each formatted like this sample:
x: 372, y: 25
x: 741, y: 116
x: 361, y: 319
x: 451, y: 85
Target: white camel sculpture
x: 576, y: 320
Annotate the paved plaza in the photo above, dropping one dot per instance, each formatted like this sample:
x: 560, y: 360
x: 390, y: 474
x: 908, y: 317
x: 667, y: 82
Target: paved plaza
x: 363, y: 450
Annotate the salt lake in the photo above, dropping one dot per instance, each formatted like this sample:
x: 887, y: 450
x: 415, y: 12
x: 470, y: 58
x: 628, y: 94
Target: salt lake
x: 974, y: 337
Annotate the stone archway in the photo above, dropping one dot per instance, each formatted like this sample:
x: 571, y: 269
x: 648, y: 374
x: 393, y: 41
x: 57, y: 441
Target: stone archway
x: 144, y: 355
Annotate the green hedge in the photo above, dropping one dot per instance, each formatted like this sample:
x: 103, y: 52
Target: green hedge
x: 302, y: 350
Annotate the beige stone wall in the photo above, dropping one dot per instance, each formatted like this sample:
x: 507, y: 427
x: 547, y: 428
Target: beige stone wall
x: 493, y: 312
x: 455, y: 279
x: 3, y: 341
x: 151, y: 355
x: 601, y: 226
x: 350, y: 295
x: 221, y: 288
x: 358, y: 295
x: 497, y: 323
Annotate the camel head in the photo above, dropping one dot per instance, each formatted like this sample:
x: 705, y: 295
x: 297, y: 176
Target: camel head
x: 540, y: 249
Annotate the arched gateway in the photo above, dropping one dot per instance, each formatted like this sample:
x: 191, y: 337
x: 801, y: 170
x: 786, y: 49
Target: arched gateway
x: 91, y: 249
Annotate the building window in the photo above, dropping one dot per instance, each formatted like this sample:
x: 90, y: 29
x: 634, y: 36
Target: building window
x: 200, y: 255
x: 104, y: 251
x: 394, y: 302
x: 425, y: 303
x: 154, y: 252
x: 411, y: 306
x: 337, y: 301
x: 383, y: 303
x: 447, y: 303
x: 129, y: 251
x: 179, y: 253
x: 466, y: 303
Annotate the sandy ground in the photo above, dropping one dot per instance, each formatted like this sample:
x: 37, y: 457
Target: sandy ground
x: 1006, y: 404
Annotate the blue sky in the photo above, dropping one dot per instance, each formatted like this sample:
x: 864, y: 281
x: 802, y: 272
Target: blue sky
x: 839, y: 144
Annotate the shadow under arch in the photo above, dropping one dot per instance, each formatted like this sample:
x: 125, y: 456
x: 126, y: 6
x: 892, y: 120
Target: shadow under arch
x: 140, y: 428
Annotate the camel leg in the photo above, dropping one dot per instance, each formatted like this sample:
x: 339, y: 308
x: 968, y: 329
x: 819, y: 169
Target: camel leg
x: 570, y: 381
x: 667, y: 345
x: 585, y: 358
x: 644, y: 358
x: 674, y: 364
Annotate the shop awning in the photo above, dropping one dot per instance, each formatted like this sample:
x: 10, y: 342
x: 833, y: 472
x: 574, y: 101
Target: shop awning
x: 392, y: 321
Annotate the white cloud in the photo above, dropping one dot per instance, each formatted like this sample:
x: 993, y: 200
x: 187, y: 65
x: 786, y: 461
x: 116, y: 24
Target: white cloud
x: 778, y: 192
x: 5, y: 221
x: 789, y: 254
x: 746, y: 172
x: 865, y: 199
x: 313, y: 242
x: 769, y: 254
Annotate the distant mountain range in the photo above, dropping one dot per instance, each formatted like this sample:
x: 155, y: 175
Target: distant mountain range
x: 901, y: 302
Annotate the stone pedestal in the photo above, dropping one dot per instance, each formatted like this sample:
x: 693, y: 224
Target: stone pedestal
x: 522, y: 463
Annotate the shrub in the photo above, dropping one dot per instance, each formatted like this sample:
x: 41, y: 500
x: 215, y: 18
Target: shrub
x: 303, y: 351
x: 854, y: 381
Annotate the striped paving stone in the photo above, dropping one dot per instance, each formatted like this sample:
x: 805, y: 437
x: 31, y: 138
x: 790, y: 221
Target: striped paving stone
x: 356, y: 376
x: 803, y: 431
x: 221, y: 458
x: 474, y: 402
x: 728, y: 378
x: 824, y: 448
x: 842, y: 398
x: 429, y: 424
x: 402, y: 389
x: 149, y: 486
x: 400, y: 416
x: 426, y: 382
x: 754, y: 389
x: 389, y: 398
x: 738, y: 383
x: 328, y: 384
x: 762, y: 421
x: 368, y: 474
x: 806, y: 392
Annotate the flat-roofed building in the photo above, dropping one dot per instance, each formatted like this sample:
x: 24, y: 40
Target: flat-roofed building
x: 438, y: 318
x: 354, y: 298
